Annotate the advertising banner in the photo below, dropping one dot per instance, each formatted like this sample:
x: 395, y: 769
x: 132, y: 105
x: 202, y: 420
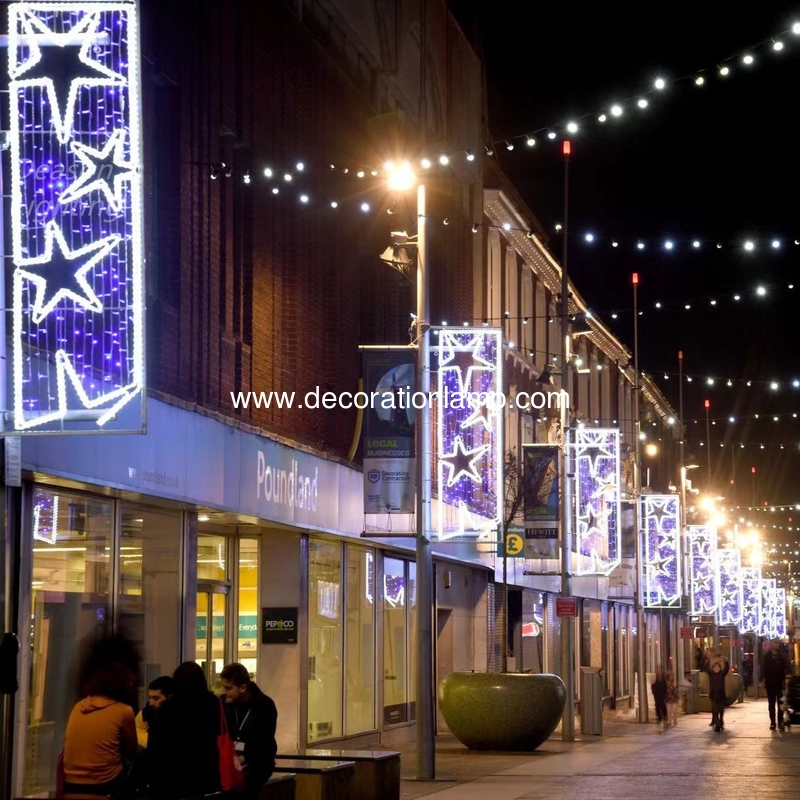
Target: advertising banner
x: 540, y: 487
x: 388, y: 438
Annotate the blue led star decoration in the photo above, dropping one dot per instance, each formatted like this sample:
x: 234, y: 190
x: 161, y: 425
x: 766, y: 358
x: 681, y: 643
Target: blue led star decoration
x: 61, y: 64
x: 658, y: 511
x: 61, y: 273
x: 462, y: 462
x: 481, y: 415
x: 103, y: 169
x: 464, y: 359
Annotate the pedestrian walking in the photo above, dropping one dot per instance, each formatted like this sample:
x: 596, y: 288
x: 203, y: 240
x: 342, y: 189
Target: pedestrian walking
x: 717, y: 669
x: 659, y: 689
x: 775, y: 668
x: 672, y: 698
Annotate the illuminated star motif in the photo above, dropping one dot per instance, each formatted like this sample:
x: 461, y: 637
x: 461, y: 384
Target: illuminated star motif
x: 60, y: 63
x: 62, y: 273
x: 729, y: 597
x: 102, y: 169
x: 464, y: 359
x: 658, y: 511
x: 463, y: 462
x: 660, y: 565
x: 478, y: 417
x: 701, y: 583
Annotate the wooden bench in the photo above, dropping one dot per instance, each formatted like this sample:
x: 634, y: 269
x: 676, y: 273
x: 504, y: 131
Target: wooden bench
x: 281, y: 786
x: 376, y: 774
x: 318, y: 779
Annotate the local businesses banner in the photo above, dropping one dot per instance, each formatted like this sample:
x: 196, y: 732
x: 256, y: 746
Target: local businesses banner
x: 388, y: 441
x: 540, y: 488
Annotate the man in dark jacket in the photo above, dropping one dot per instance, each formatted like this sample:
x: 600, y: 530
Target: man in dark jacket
x: 718, y: 668
x: 774, y: 671
x: 252, y: 719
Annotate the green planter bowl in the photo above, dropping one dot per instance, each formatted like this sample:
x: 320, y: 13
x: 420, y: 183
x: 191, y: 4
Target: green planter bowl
x: 501, y: 710
x: 733, y: 689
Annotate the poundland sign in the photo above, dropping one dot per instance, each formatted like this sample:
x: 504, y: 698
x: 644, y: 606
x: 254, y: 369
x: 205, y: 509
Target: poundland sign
x: 279, y: 626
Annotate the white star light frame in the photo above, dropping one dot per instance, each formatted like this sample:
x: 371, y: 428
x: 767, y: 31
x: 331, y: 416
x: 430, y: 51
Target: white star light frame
x: 729, y: 566
x: 467, y: 378
x: 660, y: 515
x: 703, y: 572
x: 597, y: 499
x: 76, y: 217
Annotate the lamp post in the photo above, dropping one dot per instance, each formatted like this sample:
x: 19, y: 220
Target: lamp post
x: 567, y: 623
x: 707, y: 406
x: 641, y: 676
x: 402, y: 178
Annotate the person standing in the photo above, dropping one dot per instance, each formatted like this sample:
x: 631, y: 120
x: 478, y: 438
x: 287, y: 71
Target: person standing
x: 774, y: 671
x: 159, y: 690
x: 252, y: 719
x: 659, y: 688
x: 182, y: 761
x: 672, y: 698
x: 717, y: 668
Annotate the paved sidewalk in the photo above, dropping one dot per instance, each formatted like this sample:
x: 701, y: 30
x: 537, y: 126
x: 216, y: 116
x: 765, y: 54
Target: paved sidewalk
x: 630, y: 760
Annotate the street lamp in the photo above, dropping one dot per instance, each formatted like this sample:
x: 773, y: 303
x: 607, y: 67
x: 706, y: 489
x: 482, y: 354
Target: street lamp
x: 651, y: 450
x: 402, y: 178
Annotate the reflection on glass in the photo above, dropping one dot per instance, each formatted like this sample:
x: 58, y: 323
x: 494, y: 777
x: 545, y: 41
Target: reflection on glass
x: 325, y: 640
x: 395, y: 685
x: 150, y: 586
x: 247, y: 634
x: 211, y: 623
x: 212, y: 558
x: 360, y: 697
x: 70, y: 607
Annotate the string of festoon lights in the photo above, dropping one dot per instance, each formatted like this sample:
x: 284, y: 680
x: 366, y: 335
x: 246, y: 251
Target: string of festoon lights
x: 747, y: 244
x: 629, y: 106
x: 755, y: 445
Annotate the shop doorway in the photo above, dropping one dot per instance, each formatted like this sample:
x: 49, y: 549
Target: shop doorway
x: 212, y: 631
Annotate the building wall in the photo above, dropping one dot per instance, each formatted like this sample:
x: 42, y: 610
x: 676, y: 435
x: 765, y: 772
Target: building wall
x: 252, y: 291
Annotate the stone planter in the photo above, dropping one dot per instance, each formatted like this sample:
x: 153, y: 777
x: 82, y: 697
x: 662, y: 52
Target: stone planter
x: 733, y: 689
x: 501, y: 711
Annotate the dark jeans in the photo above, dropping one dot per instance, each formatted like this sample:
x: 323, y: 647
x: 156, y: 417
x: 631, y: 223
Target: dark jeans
x: 661, y: 710
x: 717, y: 712
x: 774, y: 697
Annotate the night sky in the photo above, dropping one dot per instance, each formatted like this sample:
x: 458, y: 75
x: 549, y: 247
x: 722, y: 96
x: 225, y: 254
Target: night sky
x: 718, y: 163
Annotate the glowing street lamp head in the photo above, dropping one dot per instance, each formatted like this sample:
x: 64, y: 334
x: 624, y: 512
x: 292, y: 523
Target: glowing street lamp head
x: 401, y: 177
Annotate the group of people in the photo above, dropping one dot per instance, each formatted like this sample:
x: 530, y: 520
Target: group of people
x: 775, y: 669
x: 170, y: 750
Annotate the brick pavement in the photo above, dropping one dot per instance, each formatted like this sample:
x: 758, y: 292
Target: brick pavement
x: 630, y: 760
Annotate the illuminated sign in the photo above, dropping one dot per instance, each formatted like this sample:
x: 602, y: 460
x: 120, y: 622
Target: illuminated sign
x: 468, y: 424
x: 76, y: 214
x: 660, y: 515
x: 595, y: 453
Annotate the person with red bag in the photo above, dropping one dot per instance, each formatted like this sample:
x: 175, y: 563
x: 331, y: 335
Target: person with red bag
x: 182, y: 761
x: 252, y: 718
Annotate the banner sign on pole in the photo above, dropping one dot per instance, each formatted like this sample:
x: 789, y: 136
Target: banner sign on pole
x: 388, y: 438
x: 540, y: 488
x: 77, y: 291
x: 468, y: 406
x: 595, y: 454
x: 660, y: 515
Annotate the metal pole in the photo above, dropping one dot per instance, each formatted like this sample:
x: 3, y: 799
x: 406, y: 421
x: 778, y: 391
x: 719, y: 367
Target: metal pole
x: 567, y: 623
x: 641, y: 681
x: 504, y: 631
x: 708, y: 440
x: 426, y: 754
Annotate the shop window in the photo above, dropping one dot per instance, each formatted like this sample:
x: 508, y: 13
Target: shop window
x: 212, y: 558
x: 150, y: 587
x: 70, y: 608
x: 325, y: 640
x: 247, y: 591
x: 360, y: 640
x: 399, y: 640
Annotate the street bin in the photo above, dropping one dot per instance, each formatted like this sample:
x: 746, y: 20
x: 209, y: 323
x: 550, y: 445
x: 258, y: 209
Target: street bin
x: 692, y: 687
x: 592, y: 701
